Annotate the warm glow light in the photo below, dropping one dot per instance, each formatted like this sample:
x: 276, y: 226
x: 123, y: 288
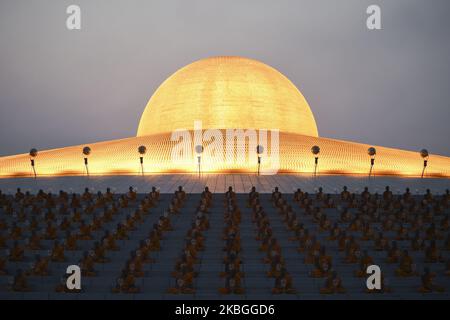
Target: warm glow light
x: 121, y: 157
x: 226, y: 93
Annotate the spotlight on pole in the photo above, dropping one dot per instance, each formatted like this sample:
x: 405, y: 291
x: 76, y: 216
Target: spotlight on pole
x: 424, y: 154
x: 259, y: 151
x: 371, y: 152
x: 315, y: 151
x: 86, y: 153
x: 142, y: 150
x: 33, y: 154
x: 199, y: 150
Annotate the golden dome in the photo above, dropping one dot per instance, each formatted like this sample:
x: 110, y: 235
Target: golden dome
x: 227, y: 93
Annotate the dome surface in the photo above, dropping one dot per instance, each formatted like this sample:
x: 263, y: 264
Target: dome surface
x: 227, y: 93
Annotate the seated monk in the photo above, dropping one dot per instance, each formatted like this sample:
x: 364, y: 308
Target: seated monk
x: 131, y: 194
x: 276, y: 266
x: 143, y: 253
x: 368, y: 233
x: 346, y: 216
x: 40, y: 266
x: 283, y: 283
x: 76, y: 215
x: 51, y: 232
x: 432, y: 253
x: 333, y: 284
x: 402, y: 233
x: 427, y: 283
x: 393, y: 254
x: 181, y: 287
x: 16, y: 253
x: 417, y: 243
x: 34, y: 243
x: 65, y: 224
x: 381, y: 242
x: 356, y: 224
x: 96, y: 222
x: 86, y: 196
x: 121, y: 232
x: 352, y: 252
x: 87, y: 264
x: 230, y: 194
x: 126, y: 283
x: 432, y: 233
x: 154, y: 241
x: 275, y: 195
x: 109, y: 241
x: 232, y: 285
x: 345, y: 194
x: 322, y: 265
x: 232, y: 267
x: 99, y: 253
x: 71, y: 241
x: 305, y: 241
x: 324, y: 223
x: 34, y: 224
x: 446, y: 243
x: 343, y: 239
x: 388, y: 224
x: 57, y: 254
x: 334, y: 232
x: 253, y: 194
x: 85, y: 231
x: 206, y: 194
x: 123, y: 201
x: 406, y: 267
x: 364, y: 262
x: 20, y: 282
x: 154, y: 194
x: 387, y: 194
x: 231, y: 257
x: 298, y: 195
x: 180, y: 194
x: 15, y: 232
x: 184, y: 271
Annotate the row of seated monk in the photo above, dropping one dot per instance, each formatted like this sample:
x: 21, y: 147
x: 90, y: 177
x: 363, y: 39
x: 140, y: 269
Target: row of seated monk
x: 184, y: 272
x: 316, y: 253
x: 347, y: 243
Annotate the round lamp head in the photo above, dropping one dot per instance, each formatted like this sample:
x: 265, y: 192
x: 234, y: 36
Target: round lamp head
x: 33, y: 152
x: 259, y: 149
x: 142, y: 150
x: 199, y: 149
x: 424, y: 153
x: 371, y: 151
x: 315, y: 150
x: 86, y: 151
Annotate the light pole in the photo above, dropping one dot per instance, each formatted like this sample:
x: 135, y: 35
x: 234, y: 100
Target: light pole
x: 33, y: 154
x: 371, y: 152
x: 424, y: 154
x: 259, y: 151
x: 315, y: 151
x: 142, y: 150
x: 199, y: 151
x: 86, y: 153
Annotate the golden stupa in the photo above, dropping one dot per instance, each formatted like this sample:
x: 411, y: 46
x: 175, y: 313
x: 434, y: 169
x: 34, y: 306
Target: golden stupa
x: 225, y: 93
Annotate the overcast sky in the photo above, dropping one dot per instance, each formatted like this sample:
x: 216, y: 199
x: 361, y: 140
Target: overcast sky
x: 389, y: 87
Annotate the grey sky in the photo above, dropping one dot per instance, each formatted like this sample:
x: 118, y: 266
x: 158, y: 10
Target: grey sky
x: 61, y: 87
